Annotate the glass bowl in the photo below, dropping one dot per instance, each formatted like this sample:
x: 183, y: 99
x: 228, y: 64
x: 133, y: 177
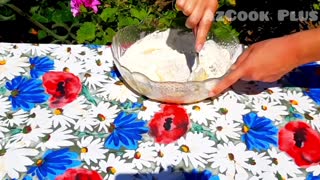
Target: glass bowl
x: 168, y: 91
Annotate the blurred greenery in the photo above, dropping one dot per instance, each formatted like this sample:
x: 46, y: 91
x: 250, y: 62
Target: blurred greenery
x: 54, y: 20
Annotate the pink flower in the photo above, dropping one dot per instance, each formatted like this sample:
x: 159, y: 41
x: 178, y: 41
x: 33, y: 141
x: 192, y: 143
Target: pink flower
x: 76, y: 4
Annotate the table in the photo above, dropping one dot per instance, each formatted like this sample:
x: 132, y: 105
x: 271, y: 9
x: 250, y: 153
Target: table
x: 64, y: 111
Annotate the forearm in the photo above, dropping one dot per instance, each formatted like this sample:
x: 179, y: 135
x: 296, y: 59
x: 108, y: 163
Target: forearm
x: 307, y: 45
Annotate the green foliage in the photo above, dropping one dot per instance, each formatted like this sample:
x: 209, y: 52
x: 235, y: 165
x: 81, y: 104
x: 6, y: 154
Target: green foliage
x: 55, y: 20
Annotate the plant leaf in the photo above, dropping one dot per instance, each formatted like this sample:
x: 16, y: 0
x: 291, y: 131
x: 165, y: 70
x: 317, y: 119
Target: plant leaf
x: 40, y: 18
x: 139, y: 14
x: 85, y: 92
x: 108, y: 14
x: 42, y: 34
x: 87, y: 32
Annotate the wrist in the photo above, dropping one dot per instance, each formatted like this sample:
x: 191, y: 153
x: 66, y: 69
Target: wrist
x: 306, y: 46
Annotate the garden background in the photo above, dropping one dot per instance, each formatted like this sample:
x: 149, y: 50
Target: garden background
x: 47, y: 21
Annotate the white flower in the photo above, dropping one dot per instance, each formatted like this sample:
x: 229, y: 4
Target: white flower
x: 61, y: 137
x: 225, y: 129
x: 195, y: 148
x: 31, y: 135
x: 5, y: 48
x: 148, y: 109
x: 117, y: 90
x: 102, y: 61
x: 69, y: 113
x: 270, y: 175
x: 104, y: 114
x: 116, y: 166
x: 94, y: 80
x: 16, y: 118
x: 229, y: 109
x: 91, y: 149
x: 273, y: 94
x: 4, y: 106
x: 15, y: 49
x: 12, y: 66
x: 271, y: 110
x: 3, y: 129
x: 72, y: 66
x: 283, y: 164
x: 167, y: 155
x: 14, y: 160
x: 37, y: 49
x: 202, y: 112
x: 74, y: 53
x: 313, y: 119
x: 300, y: 102
x: 231, y: 159
x: 143, y: 156
x: 259, y: 163
x: 40, y: 117
x: 315, y: 170
x: 85, y: 122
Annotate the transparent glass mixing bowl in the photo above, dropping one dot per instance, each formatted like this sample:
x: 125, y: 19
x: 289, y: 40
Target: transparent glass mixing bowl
x: 169, y: 91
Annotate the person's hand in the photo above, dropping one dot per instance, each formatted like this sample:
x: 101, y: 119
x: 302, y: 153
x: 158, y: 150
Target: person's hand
x: 265, y: 61
x: 200, y: 14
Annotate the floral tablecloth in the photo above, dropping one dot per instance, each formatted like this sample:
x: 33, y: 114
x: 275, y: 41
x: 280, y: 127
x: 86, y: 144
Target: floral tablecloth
x: 66, y: 114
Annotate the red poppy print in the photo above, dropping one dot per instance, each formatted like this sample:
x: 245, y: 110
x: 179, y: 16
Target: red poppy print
x: 301, y: 142
x: 169, y: 124
x: 79, y: 174
x: 64, y: 87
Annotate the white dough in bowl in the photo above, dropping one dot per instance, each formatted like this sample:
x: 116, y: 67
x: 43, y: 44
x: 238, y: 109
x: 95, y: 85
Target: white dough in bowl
x: 169, y: 56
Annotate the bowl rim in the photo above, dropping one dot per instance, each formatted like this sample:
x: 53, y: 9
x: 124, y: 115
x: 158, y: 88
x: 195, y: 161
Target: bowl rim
x: 168, y: 82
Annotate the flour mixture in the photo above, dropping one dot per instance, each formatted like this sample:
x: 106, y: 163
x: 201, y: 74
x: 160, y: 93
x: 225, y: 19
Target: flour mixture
x: 169, y: 56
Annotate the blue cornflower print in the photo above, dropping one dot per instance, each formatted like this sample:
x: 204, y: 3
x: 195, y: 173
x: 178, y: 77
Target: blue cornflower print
x: 311, y: 177
x: 115, y: 74
x: 259, y: 132
x: 40, y: 65
x: 26, y: 93
x: 54, y: 163
x: 204, y: 175
x: 92, y: 46
x: 314, y: 94
x: 126, y: 131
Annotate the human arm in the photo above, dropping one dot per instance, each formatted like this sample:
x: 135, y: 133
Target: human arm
x: 271, y: 59
x: 200, y: 14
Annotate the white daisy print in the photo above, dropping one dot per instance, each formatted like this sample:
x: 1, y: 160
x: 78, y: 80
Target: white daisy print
x: 201, y: 112
x: 61, y: 137
x: 115, y: 165
x: 5, y: 48
x: 16, y: 49
x: 94, y: 80
x: 258, y: 163
x: 315, y: 170
x: 148, y: 109
x: 30, y: 135
x: 68, y: 114
x: 196, y: 149
x: 12, y: 66
x: 3, y: 129
x: 274, y: 94
x: 11, y: 154
x: 37, y: 49
x: 16, y: 119
x: 85, y: 122
x: 102, y: 61
x: 229, y: 109
x: 117, y: 90
x: 4, y: 106
x: 91, y: 149
x: 313, y: 119
x: 299, y: 101
x: 167, y: 155
x: 225, y: 129
x: 69, y: 66
x: 231, y: 159
x: 143, y: 156
x: 40, y: 117
x: 104, y: 114
x: 283, y: 164
x: 271, y: 110
x: 72, y: 53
